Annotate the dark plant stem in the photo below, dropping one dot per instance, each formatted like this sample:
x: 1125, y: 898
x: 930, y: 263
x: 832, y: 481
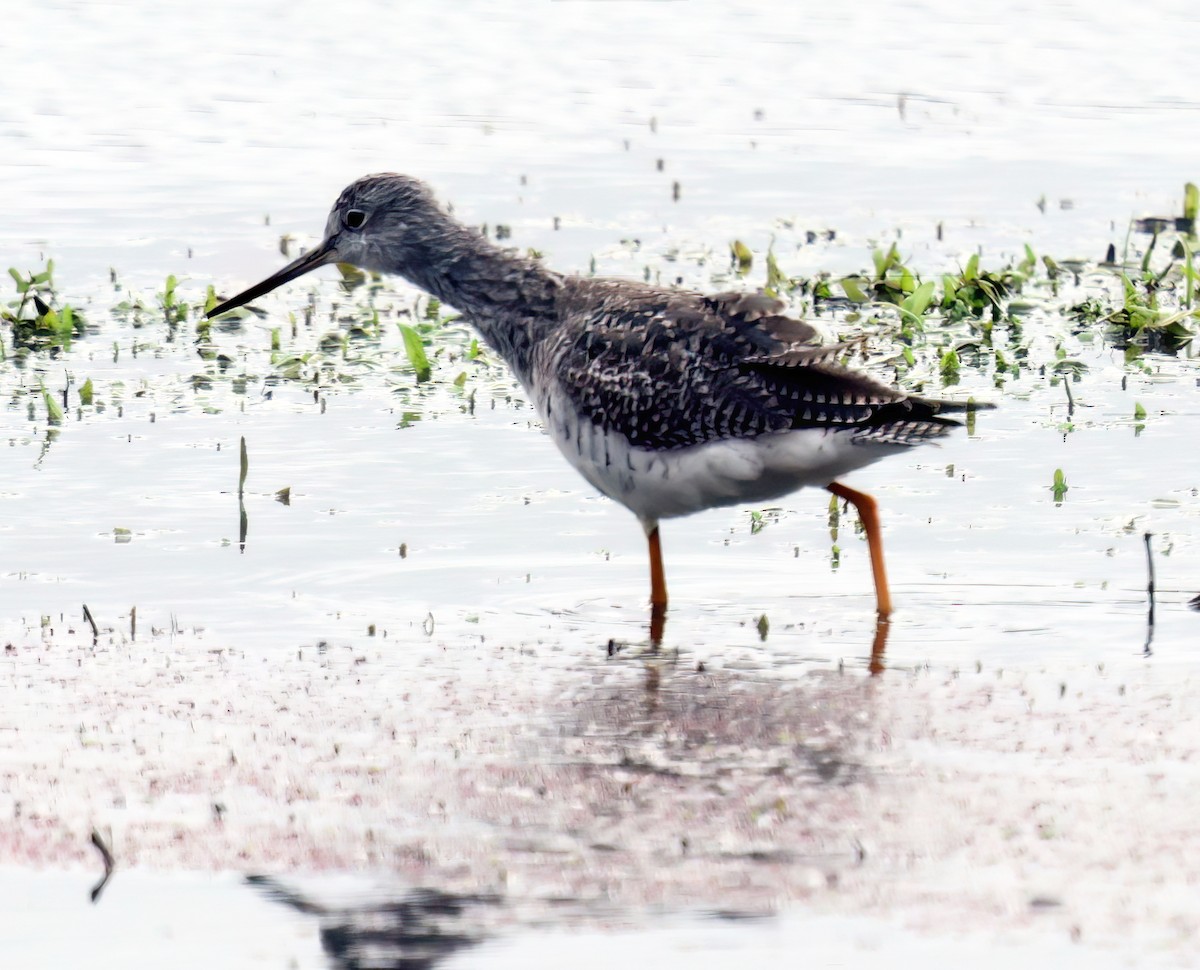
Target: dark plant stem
x: 1149, y: 592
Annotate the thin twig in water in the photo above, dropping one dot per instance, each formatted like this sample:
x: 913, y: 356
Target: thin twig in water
x: 109, y: 864
x: 1149, y: 591
x: 87, y: 615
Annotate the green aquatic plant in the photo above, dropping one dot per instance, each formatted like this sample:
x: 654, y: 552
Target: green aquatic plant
x: 1190, y: 273
x: 778, y: 283
x: 966, y: 295
x: 32, y: 316
x: 741, y: 256
x: 891, y: 284
x: 757, y: 522
x: 974, y: 291
x: 1059, y: 486
x: 174, y: 310
x: 416, y: 352
x: 54, y: 411
x: 1151, y: 313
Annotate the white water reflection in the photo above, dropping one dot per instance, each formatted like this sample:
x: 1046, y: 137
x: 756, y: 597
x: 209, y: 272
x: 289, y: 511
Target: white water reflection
x: 167, y: 126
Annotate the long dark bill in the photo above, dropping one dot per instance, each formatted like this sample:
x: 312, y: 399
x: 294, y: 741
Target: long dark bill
x: 322, y: 254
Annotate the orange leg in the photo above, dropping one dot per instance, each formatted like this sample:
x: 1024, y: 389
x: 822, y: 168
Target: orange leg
x: 876, y: 665
x: 868, y: 512
x: 658, y: 587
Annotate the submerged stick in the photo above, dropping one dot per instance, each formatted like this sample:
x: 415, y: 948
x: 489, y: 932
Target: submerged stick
x: 243, y: 520
x: 87, y: 615
x: 1150, y: 567
x: 244, y: 468
x: 1149, y: 591
x: 109, y: 864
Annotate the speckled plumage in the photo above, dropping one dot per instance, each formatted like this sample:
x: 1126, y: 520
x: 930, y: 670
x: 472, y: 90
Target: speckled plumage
x: 666, y: 400
x: 672, y: 369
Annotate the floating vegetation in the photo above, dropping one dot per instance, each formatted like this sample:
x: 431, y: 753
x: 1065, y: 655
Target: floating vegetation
x: 986, y: 323
x: 1059, y: 486
x: 742, y: 257
x: 416, y: 352
x: 1154, y: 312
x: 35, y: 322
x: 54, y: 411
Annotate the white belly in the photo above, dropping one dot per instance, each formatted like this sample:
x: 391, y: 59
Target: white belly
x: 660, y: 484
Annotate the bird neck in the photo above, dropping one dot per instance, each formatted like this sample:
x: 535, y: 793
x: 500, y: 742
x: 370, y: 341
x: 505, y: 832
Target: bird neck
x: 510, y: 299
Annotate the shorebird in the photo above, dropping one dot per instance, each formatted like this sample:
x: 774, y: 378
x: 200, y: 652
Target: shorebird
x: 666, y: 400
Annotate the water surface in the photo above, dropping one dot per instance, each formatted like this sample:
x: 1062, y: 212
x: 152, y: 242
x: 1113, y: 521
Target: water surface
x: 142, y: 140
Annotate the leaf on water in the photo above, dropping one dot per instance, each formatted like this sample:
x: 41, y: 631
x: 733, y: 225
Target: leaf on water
x: 972, y: 270
x: 777, y: 281
x: 742, y: 257
x: 1071, y: 366
x: 352, y: 276
x: 854, y: 290
x: 416, y: 352
x: 245, y: 467
x: 950, y: 363
x: 1060, y: 487
x: 1139, y: 412
x: 918, y: 301
x: 85, y: 393
x: 54, y: 411
x: 885, y: 261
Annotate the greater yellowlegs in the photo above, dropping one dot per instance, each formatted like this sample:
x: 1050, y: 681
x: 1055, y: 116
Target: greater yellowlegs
x: 666, y: 400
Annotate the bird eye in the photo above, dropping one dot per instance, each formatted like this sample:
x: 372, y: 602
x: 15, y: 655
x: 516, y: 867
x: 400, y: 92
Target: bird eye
x: 355, y: 219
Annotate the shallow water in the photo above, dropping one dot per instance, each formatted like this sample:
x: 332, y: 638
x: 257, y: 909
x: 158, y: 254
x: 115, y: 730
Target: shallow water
x: 196, y: 123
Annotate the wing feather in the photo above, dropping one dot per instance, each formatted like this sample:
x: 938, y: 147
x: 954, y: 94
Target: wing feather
x: 671, y: 369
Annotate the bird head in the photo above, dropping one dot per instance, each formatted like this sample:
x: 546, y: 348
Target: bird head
x: 372, y: 225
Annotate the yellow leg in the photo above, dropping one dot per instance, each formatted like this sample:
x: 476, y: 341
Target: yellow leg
x: 658, y: 588
x: 868, y: 512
